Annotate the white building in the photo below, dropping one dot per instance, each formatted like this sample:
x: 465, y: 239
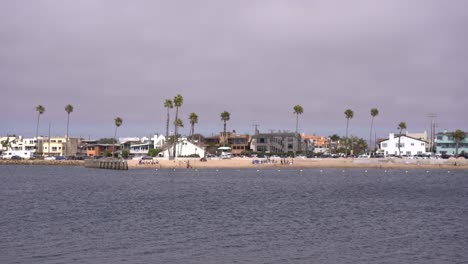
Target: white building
x: 18, y: 143
x: 159, y: 141
x: 408, y: 145
x: 141, y: 146
x: 184, y: 148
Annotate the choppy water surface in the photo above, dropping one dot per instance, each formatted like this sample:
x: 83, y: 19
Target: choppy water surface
x: 79, y: 215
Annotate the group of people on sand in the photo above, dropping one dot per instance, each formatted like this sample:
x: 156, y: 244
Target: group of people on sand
x: 274, y: 161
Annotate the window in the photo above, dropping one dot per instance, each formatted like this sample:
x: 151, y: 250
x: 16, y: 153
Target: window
x: 384, y: 145
x: 422, y: 144
x: 261, y: 148
x: 412, y: 144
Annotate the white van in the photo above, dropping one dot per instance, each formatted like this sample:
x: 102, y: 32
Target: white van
x: 20, y: 153
x: 226, y: 155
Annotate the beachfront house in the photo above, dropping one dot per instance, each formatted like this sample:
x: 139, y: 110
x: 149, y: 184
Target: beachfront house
x: 446, y: 145
x: 408, y: 145
x: 59, y: 146
x: 18, y: 143
x: 239, y: 143
x: 281, y: 142
x: 54, y: 146
x: 315, y: 144
x: 184, y: 148
x: 98, y: 150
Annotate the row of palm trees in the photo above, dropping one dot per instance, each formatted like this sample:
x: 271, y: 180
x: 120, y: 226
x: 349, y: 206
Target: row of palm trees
x: 225, y: 116
x: 349, y: 114
x: 40, y: 109
x: 193, y: 119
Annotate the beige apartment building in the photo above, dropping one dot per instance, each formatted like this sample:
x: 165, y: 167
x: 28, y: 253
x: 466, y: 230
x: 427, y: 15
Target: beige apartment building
x: 58, y: 146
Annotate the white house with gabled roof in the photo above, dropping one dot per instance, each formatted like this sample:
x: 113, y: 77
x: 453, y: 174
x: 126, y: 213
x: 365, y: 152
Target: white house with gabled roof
x: 184, y: 148
x: 408, y: 145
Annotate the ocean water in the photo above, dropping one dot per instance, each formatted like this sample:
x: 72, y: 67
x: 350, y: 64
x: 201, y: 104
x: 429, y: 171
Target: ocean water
x: 52, y: 214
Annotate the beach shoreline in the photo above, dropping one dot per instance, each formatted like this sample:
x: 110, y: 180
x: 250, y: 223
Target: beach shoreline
x: 247, y: 163
x: 237, y: 163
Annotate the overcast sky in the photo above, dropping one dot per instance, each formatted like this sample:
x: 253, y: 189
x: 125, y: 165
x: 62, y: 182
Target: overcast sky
x: 254, y: 59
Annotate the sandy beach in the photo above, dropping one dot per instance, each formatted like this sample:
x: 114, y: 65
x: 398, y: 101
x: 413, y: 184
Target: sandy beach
x: 304, y: 163
x: 248, y: 163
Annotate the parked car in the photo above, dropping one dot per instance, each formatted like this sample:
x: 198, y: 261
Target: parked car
x: 16, y: 157
x: 49, y: 158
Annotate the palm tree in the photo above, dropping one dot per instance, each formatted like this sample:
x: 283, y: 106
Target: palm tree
x: 179, y: 122
x: 458, y: 136
x: 40, y: 110
x: 374, y: 112
x: 68, y: 109
x: 225, y: 116
x: 401, y: 127
x: 178, y: 100
x: 118, y: 122
x: 6, y: 144
x: 168, y: 104
x: 193, y: 120
x: 298, y: 110
x: 349, y: 115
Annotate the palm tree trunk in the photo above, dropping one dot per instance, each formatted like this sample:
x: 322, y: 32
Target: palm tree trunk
x: 295, y: 135
x: 370, y: 135
x: 175, y: 132
x: 37, y: 133
x: 167, y: 125
x: 113, y: 147
x: 192, y: 132
x: 224, y: 132
x: 347, y: 141
x: 66, y: 140
x: 399, y: 151
x: 456, y: 150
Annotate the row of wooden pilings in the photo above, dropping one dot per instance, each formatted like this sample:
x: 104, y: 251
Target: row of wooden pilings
x: 110, y: 164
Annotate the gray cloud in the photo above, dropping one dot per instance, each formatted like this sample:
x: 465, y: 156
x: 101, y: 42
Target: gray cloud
x: 255, y: 59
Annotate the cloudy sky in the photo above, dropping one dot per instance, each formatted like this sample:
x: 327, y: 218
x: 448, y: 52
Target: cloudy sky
x: 254, y: 59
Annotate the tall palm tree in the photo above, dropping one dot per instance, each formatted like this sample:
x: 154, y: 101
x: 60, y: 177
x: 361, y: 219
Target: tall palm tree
x: 401, y: 127
x: 298, y: 110
x: 349, y: 115
x: 458, y: 136
x: 118, y: 122
x: 40, y: 110
x: 374, y: 112
x: 68, y: 109
x: 178, y: 100
x: 168, y: 104
x: 193, y: 120
x: 225, y: 116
